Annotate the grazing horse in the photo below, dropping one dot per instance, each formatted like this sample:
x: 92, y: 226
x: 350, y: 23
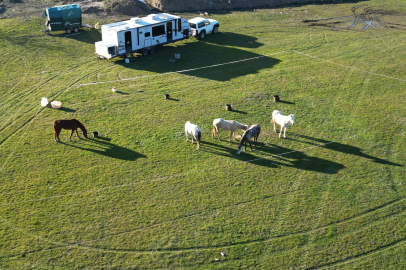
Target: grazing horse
x: 227, y: 125
x: 252, y: 132
x: 195, y: 131
x: 283, y: 120
x: 72, y: 124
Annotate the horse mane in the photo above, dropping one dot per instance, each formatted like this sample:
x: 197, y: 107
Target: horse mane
x: 81, y: 126
x: 242, y: 139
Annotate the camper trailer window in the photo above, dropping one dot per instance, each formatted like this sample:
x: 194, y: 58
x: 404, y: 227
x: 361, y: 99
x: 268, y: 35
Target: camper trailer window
x: 158, y: 30
x: 112, y: 50
x: 147, y: 34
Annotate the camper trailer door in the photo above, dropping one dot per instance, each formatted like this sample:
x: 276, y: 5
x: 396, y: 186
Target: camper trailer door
x: 121, y: 42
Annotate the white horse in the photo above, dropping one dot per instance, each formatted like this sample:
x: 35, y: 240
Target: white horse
x: 231, y: 125
x: 283, y: 120
x: 251, y: 133
x: 195, y: 131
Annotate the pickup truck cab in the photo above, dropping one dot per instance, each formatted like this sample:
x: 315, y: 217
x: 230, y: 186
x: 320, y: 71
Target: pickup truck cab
x: 200, y: 27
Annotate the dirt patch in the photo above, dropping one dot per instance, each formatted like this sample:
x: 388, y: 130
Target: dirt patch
x: 128, y: 7
x: 362, y: 18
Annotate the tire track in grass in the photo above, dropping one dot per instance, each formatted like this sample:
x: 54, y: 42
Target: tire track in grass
x: 28, y: 123
x: 26, y: 95
x: 42, y: 84
x: 79, y: 245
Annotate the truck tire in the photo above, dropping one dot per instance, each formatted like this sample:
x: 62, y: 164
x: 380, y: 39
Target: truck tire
x: 75, y: 29
x: 68, y: 31
x: 202, y: 34
x: 152, y: 50
x: 144, y: 52
x: 215, y: 29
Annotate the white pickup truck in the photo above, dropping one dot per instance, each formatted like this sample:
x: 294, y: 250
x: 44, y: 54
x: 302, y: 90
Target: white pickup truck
x: 200, y: 27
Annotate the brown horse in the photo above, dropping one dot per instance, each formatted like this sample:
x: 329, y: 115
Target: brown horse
x: 72, y: 124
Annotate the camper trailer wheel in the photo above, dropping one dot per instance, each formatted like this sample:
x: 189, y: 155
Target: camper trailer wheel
x: 144, y: 52
x: 68, y: 31
x: 152, y: 50
x: 75, y: 29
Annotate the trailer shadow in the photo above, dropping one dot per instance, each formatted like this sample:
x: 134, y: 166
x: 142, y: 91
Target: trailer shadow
x: 275, y: 157
x: 85, y: 35
x: 204, y: 60
x: 232, y: 39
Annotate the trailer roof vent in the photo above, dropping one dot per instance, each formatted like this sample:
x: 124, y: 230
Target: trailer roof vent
x: 136, y: 20
x: 153, y: 16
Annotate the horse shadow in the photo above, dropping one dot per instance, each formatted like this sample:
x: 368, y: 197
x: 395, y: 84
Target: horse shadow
x: 344, y: 148
x: 277, y: 156
x: 105, y: 148
x: 68, y: 110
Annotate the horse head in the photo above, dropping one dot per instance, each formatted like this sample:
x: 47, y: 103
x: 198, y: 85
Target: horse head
x: 292, y: 119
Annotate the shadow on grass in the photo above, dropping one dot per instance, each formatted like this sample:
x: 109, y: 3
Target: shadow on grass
x: 173, y: 99
x: 102, y: 146
x: 286, y: 102
x: 203, y: 60
x: 232, y: 39
x: 344, y: 148
x: 67, y: 110
x: 237, y: 111
x: 287, y: 157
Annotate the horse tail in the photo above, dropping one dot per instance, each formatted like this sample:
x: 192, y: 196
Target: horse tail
x: 213, y: 134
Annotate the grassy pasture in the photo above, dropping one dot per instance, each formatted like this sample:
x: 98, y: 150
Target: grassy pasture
x: 331, y: 195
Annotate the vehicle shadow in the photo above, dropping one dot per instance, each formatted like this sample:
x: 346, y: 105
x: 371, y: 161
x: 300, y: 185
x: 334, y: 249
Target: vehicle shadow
x: 275, y: 156
x: 343, y: 148
x: 202, y: 59
x: 232, y: 39
x: 102, y: 146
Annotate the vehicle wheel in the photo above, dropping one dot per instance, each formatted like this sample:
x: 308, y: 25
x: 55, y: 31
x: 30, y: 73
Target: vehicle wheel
x: 75, y: 29
x: 215, y: 30
x: 68, y: 31
x: 152, y: 50
x: 202, y: 34
x: 144, y: 52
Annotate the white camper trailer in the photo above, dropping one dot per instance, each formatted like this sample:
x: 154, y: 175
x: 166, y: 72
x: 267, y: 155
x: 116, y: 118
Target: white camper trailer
x: 141, y: 35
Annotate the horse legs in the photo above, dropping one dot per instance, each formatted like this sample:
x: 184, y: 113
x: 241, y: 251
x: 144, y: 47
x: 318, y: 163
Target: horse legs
x: 187, y: 135
x: 71, y: 135
x: 77, y: 133
x: 274, y: 126
x: 56, y: 136
x: 281, y: 131
x: 284, y: 135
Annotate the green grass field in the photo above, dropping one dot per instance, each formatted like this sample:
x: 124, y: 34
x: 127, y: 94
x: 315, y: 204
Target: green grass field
x: 332, y: 195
